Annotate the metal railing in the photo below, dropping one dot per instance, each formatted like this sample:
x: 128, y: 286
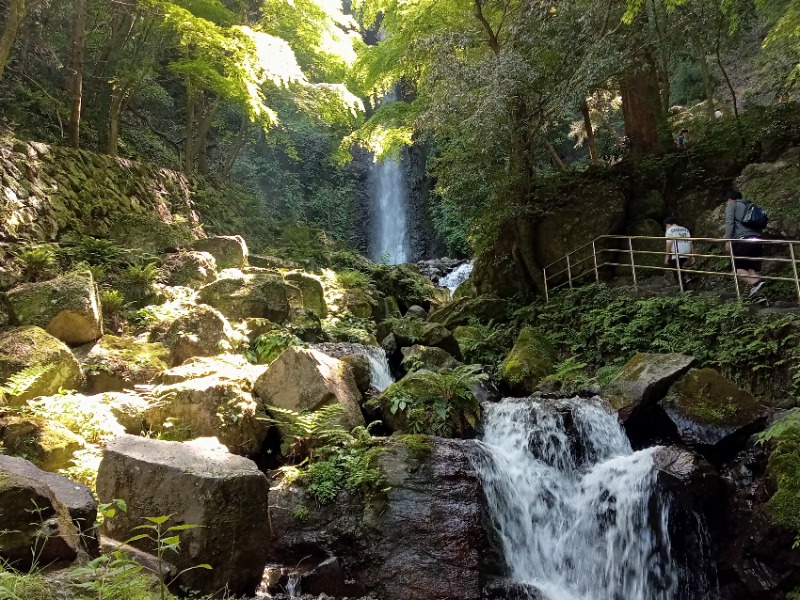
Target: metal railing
x: 586, y: 263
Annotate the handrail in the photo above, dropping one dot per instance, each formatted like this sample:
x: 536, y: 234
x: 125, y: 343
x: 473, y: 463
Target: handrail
x: 588, y: 259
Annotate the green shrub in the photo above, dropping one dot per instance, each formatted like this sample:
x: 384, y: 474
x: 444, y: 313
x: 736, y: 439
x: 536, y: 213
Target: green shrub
x: 352, y: 279
x: 269, y: 346
x: 95, y: 251
x: 112, y: 301
x: 38, y: 261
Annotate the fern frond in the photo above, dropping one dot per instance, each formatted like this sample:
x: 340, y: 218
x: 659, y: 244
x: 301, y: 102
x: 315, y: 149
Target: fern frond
x: 24, y: 380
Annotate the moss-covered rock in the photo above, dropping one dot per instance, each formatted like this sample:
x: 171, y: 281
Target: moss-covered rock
x: 712, y: 414
x: 776, y: 188
x: 48, y: 444
x: 408, y: 332
x: 358, y: 303
x: 49, y: 362
x: 115, y: 363
x: 531, y: 360
x: 204, y: 331
x: 190, y: 269
x: 313, y: 294
x: 229, y: 251
x: 67, y: 307
x: 404, y: 284
x: 644, y: 380
x: 464, y: 310
x: 424, y: 357
x: 261, y: 295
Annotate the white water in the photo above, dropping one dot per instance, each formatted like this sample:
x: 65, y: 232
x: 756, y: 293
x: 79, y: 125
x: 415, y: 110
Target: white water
x: 389, y: 239
x: 572, y: 505
x: 456, y: 277
x: 380, y: 376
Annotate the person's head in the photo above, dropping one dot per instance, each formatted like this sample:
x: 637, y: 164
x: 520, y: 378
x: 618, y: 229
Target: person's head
x: 733, y: 196
x: 669, y: 222
x: 684, y: 132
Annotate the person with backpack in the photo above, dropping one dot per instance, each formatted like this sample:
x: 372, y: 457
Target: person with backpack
x: 745, y: 221
x: 678, y: 251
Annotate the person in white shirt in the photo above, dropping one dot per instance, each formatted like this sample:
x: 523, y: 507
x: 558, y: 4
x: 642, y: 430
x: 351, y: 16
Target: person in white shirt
x: 678, y: 251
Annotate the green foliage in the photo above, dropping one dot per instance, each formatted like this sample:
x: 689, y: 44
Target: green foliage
x: 93, y: 251
x: 602, y: 326
x: 485, y: 344
x: 438, y: 403
x: 349, y: 328
x: 335, y: 460
x: 112, y: 301
x: 138, y: 280
x: 352, y: 279
x: 269, y: 346
x: 38, y: 261
x: 25, y: 586
x: 19, y: 383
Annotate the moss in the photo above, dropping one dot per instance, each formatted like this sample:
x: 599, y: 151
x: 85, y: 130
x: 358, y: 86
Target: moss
x: 707, y: 397
x: 530, y: 361
x: 420, y: 446
x: 784, y: 469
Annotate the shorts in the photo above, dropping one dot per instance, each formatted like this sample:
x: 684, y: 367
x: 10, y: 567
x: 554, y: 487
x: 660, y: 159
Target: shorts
x: 746, y: 255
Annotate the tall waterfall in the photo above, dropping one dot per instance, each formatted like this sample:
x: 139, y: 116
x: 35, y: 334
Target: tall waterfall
x: 573, y: 505
x: 389, y: 209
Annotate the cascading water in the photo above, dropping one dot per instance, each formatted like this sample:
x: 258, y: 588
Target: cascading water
x: 389, y: 240
x: 456, y: 277
x: 380, y: 376
x: 573, y: 505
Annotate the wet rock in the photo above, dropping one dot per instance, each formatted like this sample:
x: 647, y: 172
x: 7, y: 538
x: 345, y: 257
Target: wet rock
x: 424, y: 357
x: 465, y: 310
x: 689, y: 476
x: 530, y: 361
x: 28, y: 347
x: 115, y: 363
x: 76, y: 497
x: 210, y: 406
x: 34, y: 523
x: 229, y: 251
x: 302, y: 379
x: 416, y: 312
x: 328, y: 578
x: 190, y: 269
x: 511, y: 590
x: 644, y: 380
x: 201, y: 332
x: 711, y: 414
x: 67, y: 307
x: 423, y: 541
x: 197, y: 483
x: 238, y: 296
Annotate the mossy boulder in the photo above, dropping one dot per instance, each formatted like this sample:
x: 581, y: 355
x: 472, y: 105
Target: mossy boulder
x: 204, y: 331
x: 227, y: 367
x: 229, y: 251
x: 34, y: 524
x: 712, y: 414
x: 358, y: 303
x: 210, y: 406
x: 5, y: 317
x: 408, y: 332
x: 404, y: 284
x: 35, y: 349
x: 424, y: 357
x: 190, y: 269
x: 644, y: 380
x: 530, y: 360
x: 261, y: 295
x: 115, y: 363
x: 464, y: 310
x: 301, y: 379
x: 67, y: 307
x: 776, y: 188
x: 313, y: 294
x: 47, y: 443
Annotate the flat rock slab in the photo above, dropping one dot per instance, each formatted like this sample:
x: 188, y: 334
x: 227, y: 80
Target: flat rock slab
x: 644, y: 380
x: 198, y: 483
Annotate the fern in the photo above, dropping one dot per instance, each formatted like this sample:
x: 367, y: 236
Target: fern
x: 21, y: 382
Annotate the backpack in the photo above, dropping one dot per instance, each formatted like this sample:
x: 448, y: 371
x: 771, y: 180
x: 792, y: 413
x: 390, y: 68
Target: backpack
x: 754, y: 217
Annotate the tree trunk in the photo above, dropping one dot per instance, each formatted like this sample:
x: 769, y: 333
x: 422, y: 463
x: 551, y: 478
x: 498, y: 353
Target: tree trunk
x: 188, y: 165
x: 76, y: 66
x: 114, y: 121
x: 641, y: 109
x: 237, y: 147
x: 587, y: 124
x: 16, y: 13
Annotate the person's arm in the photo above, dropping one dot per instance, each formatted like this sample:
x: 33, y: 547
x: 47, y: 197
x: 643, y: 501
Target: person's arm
x: 730, y: 222
x: 668, y: 251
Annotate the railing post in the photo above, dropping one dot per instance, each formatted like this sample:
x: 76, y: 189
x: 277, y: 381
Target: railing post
x: 794, y: 268
x: 569, y: 272
x: 594, y: 256
x: 633, y: 262
x: 678, y: 266
x: 733, y: 268
x: 546, y: 290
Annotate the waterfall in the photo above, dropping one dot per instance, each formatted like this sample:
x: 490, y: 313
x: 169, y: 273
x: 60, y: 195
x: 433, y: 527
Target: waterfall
x: 389, y: 197
x: 573, y: 505
x: 381, y: 378
x: 456, y: 277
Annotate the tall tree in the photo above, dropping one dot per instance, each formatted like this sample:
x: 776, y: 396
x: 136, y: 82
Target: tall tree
x: 15, y: 14
x: 76, y: 64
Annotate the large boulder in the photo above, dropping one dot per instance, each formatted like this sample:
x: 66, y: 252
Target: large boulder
x: 48, y: 443
x: 34, y: 524
x: 712, y: 414
x: 313, y: 294
x: 464, y: 310
x: 530, y: 360
x: 423, y: 541
x: 377, y: 364
x: 424, y: 357
x: 115, y: 363
x: 229, y: 251
x: 76, y: 497
x: 196, y: 483
x: 203, y: 331
x: 238, y: 296
x: 644, y: 380
x: 33, y: 349
x: 210, y: 406
x: 404, y: 284
x: 408, y: 332
x: 228, y: 367
x: 190, y: 269
x: 67, y: 307
x: 301, y: 379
